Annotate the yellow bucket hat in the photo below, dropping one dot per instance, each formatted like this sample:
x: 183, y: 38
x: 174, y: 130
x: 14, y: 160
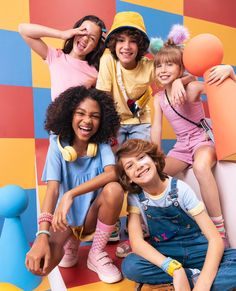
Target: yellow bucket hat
x: 127, y: 19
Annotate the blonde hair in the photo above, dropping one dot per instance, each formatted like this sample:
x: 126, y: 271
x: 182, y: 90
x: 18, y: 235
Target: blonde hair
x: 170, y: 53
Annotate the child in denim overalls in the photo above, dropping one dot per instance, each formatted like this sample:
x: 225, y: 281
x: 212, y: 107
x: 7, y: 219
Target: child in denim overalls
x: 183, y: 240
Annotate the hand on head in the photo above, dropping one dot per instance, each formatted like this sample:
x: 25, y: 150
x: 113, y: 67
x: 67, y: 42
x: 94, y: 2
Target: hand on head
x: 80, y: 31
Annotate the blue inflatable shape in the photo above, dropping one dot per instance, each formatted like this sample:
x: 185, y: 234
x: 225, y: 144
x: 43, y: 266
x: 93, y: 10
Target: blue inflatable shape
x: 13, y: 242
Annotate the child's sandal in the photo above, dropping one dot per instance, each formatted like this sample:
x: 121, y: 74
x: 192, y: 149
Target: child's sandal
x: 123, y: 249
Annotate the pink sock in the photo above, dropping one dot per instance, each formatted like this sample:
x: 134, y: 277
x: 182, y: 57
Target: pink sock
x: 219, y: 223
x: 101, y: 236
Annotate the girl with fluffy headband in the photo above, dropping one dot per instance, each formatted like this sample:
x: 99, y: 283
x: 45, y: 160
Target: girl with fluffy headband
x: 195, y: 142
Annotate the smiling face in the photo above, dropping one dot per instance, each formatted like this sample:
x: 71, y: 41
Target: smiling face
x: 86, y: 120
x: 85, y: 44
x: 140, y: 169
x: 126, y: 50
x: 168, y: 65
x: 166, y: 73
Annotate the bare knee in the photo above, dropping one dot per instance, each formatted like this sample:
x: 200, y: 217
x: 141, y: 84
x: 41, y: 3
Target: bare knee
x: 111, y: 201
x: 113, y: 193
x: 202, y: 170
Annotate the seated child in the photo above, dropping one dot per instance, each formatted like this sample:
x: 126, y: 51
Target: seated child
x: 183, y: 239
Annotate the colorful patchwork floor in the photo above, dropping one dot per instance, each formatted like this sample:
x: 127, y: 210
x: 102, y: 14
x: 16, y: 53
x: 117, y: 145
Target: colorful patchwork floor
x: 81, y: 278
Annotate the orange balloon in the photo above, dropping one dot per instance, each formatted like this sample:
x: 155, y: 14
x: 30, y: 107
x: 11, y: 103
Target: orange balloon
x: 201, y: 53
x: 222, y: 103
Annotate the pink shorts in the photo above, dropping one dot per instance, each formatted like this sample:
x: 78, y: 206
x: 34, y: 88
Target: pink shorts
x: 186, y: 146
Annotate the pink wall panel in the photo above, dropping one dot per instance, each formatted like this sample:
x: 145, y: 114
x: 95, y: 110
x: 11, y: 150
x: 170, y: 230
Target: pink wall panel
x: 218, y: 11
x: 63, y: 13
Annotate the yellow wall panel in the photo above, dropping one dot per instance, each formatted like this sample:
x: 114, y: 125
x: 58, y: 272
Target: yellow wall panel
x: 40, y: 72
x: 172, y: 6
x: 225, y: 33
x: 13, y: 12
x: 17, y: 166
x: 124, y: 207
x: 41, y: 194
x: 167, y: 131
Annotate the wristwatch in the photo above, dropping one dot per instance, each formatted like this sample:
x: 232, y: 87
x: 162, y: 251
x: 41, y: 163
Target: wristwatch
x: 174, y: 265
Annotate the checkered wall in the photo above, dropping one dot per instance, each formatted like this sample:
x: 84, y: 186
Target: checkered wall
x: 25, y: 83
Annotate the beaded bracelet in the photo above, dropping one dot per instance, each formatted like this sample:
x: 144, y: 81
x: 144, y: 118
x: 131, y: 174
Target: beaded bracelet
x: 45, y: 216
x: 43, y: 232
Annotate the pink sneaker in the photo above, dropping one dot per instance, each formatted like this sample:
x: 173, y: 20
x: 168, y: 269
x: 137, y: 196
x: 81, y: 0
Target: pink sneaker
x: 70, y: 257
x: 102, y: 264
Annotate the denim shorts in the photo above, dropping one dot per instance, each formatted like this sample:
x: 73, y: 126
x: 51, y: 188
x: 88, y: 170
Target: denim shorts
x: 141, y: 131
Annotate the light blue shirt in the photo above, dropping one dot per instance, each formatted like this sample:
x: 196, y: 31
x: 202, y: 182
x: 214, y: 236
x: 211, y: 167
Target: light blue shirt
x: 72, y: 174
x: 187, y: 199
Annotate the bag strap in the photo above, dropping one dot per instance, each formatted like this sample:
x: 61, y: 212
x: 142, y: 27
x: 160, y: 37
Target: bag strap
x: 122, y: 86
x: 201, y: 124
x: 185, y: 118
x: 120, y: 81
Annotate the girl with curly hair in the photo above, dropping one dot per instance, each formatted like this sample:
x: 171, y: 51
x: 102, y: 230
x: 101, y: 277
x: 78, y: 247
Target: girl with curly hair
x: 184, y: 247
x: 81, y: 182
x: 78, y: 62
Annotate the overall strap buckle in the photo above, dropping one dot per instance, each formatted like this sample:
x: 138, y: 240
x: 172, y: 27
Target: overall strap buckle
x: 173, y: 194
x: 142, y: 198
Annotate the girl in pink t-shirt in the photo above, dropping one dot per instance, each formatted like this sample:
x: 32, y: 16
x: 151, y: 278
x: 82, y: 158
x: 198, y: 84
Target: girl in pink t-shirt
x: 74, y: 65
x: 77, y: 63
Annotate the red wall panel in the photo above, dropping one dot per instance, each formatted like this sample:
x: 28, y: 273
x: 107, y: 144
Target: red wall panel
x: 218, y: 11
x: 63, y: 13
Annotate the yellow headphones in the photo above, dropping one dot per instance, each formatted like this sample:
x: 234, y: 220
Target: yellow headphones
x: 69, y: 153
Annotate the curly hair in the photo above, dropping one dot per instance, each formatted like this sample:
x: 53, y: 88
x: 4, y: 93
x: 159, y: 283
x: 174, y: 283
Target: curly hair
x: 60, y: 113
x: 93, y: 57
x: 140, y: 38
x: 134, y: 147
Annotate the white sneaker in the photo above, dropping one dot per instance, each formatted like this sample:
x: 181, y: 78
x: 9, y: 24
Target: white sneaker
x: 70, y: 257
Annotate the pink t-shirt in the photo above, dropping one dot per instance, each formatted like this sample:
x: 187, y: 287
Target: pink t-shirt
x: 66, y: 72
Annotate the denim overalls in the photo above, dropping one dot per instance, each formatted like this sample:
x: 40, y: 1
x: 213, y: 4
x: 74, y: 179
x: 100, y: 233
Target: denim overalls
x: 174, y: 234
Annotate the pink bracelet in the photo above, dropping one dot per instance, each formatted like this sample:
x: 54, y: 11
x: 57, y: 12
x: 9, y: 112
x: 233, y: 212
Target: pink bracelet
x: 45, y: 216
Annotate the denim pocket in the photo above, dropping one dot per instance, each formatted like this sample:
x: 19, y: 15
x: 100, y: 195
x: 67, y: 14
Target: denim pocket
x: 164, y: 227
